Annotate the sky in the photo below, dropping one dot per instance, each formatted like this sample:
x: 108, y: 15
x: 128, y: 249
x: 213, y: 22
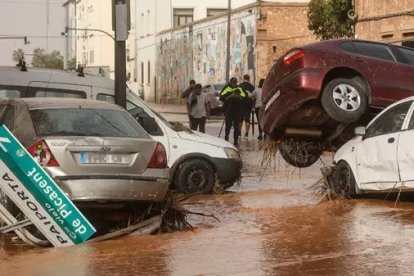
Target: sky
x: 29, y: 18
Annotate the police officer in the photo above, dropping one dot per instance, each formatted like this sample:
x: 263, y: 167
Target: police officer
x: 233, y: 98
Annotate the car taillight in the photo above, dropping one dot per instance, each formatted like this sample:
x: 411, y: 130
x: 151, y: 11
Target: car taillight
x: 293, y: 56
x: 41, y: 153
x: 159, y: 158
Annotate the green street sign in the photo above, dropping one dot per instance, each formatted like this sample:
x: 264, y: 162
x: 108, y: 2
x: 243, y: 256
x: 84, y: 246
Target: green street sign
x: 38, y: 196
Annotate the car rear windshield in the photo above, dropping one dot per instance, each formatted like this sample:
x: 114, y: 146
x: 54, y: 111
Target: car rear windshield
x: 85, y: 122
x: 218, y: 87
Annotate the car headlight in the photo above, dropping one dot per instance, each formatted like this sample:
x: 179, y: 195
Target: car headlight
x: 231, y: 153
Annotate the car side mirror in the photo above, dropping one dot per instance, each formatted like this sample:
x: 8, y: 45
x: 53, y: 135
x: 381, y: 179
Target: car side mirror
x: 360, y: 131
x: 149, y: 124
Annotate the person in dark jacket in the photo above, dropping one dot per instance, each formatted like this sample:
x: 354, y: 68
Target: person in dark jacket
x: 232, y: 96
x: 248, y: 88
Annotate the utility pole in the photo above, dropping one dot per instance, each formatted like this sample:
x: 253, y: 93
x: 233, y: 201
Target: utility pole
x: 121, y: 24
x: 228, y: 43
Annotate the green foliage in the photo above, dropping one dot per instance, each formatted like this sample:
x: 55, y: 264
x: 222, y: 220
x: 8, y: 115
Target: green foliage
x: 72, y: 64
x: 328, y: 19
x: 42, y: 59
x: 17, y: 54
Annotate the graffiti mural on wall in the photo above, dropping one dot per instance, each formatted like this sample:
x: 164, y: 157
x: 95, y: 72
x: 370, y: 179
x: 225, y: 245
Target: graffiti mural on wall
x: 200, y: 53
x: 174, y: 67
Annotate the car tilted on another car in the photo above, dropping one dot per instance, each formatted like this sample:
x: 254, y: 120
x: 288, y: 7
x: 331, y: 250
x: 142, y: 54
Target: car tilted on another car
x: 381, y: 157
x: 95, y: 152
x: 315, y: 94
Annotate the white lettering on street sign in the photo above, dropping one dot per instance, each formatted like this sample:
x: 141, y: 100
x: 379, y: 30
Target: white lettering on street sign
x: 4, y: 140
x: 44, y: 191
x: 18, y: 193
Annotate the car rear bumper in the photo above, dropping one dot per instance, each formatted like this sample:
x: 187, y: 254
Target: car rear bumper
x: 92, y: 188
x: 295, y: 89
x: 228, y: 170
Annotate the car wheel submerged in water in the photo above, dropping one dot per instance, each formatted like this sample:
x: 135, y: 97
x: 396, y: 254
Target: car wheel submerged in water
x: 300, y: 154
x: 195, y: 176
x: 344, y: 179
x: 344, y: 100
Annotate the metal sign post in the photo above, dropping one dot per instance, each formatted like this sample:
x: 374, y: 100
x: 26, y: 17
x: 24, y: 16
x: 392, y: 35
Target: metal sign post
x: 121, y: 24
x: 36, y: 194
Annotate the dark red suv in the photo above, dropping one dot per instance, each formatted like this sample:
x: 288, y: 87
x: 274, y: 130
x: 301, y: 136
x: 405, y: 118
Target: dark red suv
x: 317, y: 92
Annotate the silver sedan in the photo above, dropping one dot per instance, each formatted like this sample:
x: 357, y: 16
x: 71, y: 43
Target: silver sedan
x: 95, y: 151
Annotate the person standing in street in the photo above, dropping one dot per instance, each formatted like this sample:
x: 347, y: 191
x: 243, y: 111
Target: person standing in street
x: 257, y: 98
x: 248, y: 88
x: 199, y: 108
x: 186, y: 93
x: 233, y: 98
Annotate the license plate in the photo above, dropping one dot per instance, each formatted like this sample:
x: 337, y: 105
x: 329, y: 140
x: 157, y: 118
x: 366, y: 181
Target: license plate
x: 272, y: 99
x: 104, y: 158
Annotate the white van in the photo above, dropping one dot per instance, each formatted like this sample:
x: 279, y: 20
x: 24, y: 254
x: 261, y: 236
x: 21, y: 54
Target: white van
x: 198, y: 161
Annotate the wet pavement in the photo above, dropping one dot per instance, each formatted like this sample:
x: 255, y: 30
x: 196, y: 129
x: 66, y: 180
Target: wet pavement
x: 269, y: 224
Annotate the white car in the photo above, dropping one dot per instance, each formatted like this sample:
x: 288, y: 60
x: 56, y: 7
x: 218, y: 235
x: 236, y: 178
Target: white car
x: 381, y: 157
x: 197, y: 160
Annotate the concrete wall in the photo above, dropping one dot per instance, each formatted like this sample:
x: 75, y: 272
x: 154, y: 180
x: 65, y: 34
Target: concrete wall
x: 385, y: 20
x: 259, y: 35
x: 199, y: 53
x: 155, y: 16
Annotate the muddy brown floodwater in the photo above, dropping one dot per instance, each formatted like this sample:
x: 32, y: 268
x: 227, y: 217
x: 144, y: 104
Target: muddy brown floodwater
x: 269, y: 225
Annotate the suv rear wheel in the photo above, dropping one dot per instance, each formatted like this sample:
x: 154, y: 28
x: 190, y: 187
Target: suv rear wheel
x: 344, y: 100
x: 299, y: 153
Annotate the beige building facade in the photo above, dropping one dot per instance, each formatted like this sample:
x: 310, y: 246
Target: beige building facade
x: 95, y: 50
x: 390, y: 21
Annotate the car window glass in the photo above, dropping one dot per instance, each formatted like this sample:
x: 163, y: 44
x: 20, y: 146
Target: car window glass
x: 347, y: 47
x: 407, y: 56
x: 390, y: 121
x: 218, y: 87
x: 105, y: 98
x: 8, y: 118
x: 411, y: 124
x: 134, y: 108
x: 9, y: 93
x: 85, y: 122
x: 374, y: 50
x: 55, y: 93
x: 111, y: 99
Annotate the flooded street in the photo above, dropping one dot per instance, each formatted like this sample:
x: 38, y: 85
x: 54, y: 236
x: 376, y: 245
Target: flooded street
x: 268, y: 225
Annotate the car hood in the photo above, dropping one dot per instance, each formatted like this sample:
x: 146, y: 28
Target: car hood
x: 196, y: 136
x: 347, y: 148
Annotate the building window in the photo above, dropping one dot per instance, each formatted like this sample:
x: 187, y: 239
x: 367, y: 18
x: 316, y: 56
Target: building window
x: 142, y: 73
x: 183, y: 16
x: 408, y: 43
x: 149, y: 72
x: 214, y: 12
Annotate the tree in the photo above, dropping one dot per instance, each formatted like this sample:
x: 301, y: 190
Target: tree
x: 71, y: 64
x: 328, y: 19
x: 17, y: 55
x: 42, y: 59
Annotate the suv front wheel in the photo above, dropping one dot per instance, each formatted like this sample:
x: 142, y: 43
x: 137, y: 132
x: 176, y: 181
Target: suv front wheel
x: 344, y: 100
x: 300, y: 153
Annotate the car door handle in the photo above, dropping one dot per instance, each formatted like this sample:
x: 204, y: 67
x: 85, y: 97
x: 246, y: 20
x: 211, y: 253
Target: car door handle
x: 391, y: 140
